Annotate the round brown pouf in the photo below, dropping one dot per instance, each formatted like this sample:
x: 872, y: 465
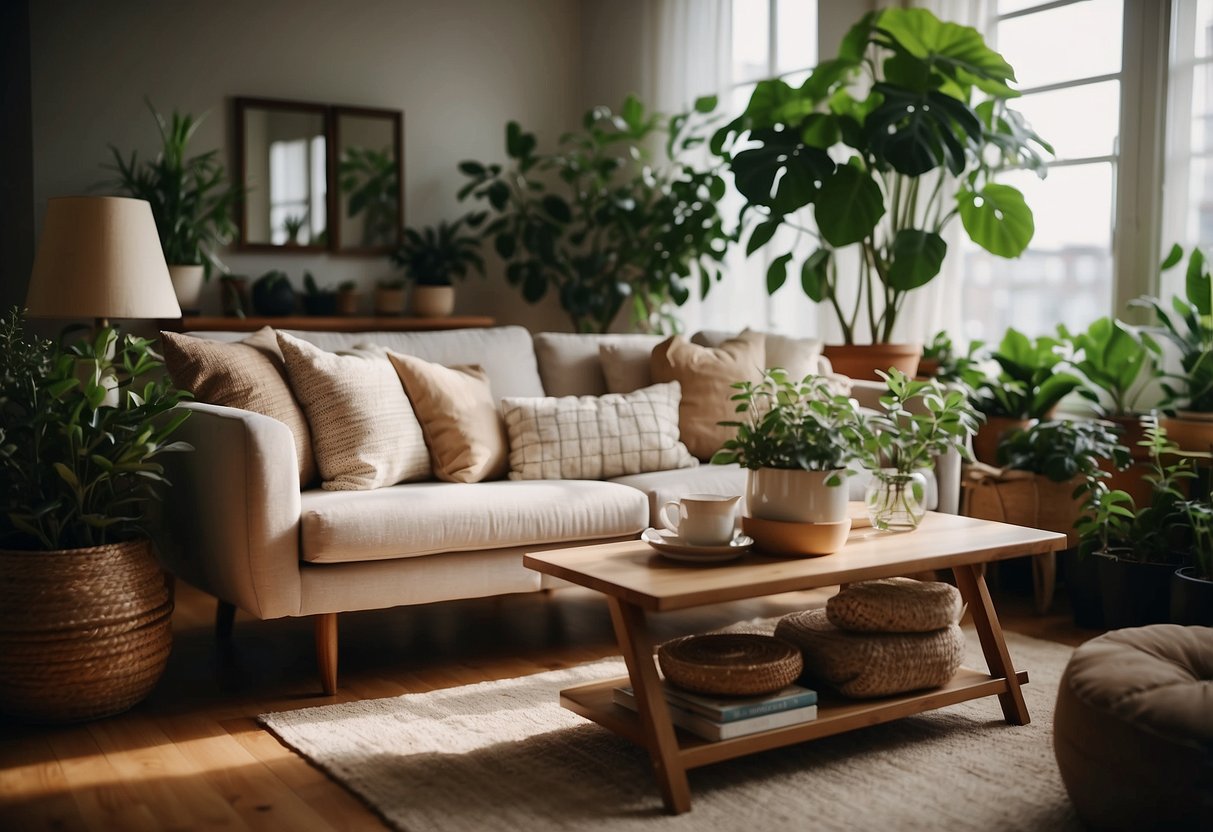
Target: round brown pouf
x: 1133, y: 730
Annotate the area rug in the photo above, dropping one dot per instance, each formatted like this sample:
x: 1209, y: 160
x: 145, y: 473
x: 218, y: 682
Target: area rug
x: 505, y: 755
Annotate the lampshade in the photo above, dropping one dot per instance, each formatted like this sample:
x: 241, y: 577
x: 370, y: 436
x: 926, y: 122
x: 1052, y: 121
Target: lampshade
x: 100, y: 257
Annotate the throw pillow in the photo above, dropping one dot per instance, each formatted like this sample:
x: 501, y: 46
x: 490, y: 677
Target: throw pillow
x: 363, y: 428
x: 459, y: 415
x: 707, y: 375
x: 626, y: 365
x: 247, y: 374
x: 595, y: 437
x: 799, y: 356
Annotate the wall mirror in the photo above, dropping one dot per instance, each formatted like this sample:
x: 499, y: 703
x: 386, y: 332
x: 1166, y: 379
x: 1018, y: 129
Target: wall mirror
x: 319, y: 177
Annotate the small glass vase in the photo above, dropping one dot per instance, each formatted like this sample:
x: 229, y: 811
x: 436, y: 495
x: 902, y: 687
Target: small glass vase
x: 896, y: 501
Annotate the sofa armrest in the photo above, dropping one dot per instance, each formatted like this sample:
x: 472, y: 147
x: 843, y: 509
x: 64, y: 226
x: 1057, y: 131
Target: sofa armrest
x: 231, y: 517
x: 947, y: 466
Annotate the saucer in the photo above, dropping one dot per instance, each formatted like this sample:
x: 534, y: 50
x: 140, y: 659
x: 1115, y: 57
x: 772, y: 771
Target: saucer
x: 672, y: 546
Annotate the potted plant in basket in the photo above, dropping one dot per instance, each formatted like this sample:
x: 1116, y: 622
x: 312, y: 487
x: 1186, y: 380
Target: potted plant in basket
x: 432, y: 257
x: 1027, y: 388
x: 1188, y: 326
x: 919, y: 420
x: 347, y: 298
x: 887, y: 144
x: 192, y: 202
x: 389, y: 296
x: 84, y: 608
x: 1192, y: 585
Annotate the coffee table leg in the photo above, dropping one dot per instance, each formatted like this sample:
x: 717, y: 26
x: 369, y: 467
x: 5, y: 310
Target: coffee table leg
x: 632, y: 631
x: 976, y: 594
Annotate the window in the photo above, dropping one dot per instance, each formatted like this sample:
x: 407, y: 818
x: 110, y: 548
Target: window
x: 297, y: 189
x: 1072, y: 91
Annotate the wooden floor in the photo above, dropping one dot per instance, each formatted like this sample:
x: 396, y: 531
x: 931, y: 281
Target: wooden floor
x: 192, y: 757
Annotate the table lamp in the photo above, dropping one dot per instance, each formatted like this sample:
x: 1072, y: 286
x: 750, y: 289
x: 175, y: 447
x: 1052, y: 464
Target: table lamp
x: 99, y: 257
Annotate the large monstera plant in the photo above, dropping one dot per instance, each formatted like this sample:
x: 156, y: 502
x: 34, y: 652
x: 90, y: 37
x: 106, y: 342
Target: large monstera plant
x: 600, y: 222
x: 881, y: 148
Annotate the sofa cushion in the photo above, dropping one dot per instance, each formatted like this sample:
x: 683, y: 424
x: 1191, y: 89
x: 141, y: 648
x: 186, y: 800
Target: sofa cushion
x: 707, y: 375
x: 660, y: 486
x: 248, y: 375
x: 459, y: 416
x: 626, y: 366
x: 569, y: 363
x: 799, y: 356
x: 595, y: 437
x: 427, y: 518
x: 364, y: 431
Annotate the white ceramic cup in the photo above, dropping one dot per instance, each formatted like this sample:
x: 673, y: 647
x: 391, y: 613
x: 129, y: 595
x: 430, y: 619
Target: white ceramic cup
x: 702, y: 519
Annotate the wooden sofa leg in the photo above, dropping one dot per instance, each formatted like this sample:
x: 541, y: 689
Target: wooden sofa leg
x: 326, y: 651
x: 225, y: 618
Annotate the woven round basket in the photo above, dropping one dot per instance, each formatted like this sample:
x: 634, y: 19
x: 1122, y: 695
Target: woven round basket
x: 730, y: 664
x: 84, y: 633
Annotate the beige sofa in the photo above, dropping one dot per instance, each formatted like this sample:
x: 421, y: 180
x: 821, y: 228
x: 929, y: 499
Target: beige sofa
x: 238, y: 527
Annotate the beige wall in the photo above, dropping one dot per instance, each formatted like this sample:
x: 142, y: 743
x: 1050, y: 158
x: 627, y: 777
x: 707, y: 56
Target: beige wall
x: 459, y: 69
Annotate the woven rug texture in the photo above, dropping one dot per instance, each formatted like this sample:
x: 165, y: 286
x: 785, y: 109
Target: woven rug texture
x: 505, y: 755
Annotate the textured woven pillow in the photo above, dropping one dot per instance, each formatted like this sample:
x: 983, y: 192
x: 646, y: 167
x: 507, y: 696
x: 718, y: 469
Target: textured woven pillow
x: 865, y: 665
x: 707, y: 375
x: 363, y: 428
x: 595, y: 437
x: 459, y: 415
x: 895, y: 605
x: 247, y: 374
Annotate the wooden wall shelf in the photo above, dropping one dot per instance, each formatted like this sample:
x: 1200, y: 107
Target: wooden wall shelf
x: 316, y: 323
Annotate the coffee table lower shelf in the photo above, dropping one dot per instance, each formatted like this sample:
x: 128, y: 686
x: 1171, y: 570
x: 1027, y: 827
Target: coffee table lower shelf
x: 835, y: 714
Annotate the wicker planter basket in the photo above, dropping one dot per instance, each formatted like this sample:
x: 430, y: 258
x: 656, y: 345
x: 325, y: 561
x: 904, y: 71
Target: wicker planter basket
x: 84, y: 633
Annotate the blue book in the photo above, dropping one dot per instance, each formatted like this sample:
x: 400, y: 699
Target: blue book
x: 715, y: 731
x: 734, y: 708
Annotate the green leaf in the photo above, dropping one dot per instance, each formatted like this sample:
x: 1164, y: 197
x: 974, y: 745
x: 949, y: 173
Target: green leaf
x: 1173, y: 256
x: 1197, y: 283
x: 820, y: 130
x: 557, y: 208
x: 777, y: 273
x: 506, y: 245
x: 472, y: 168
x: 67, y: 475
x: 632, y: 112
x: 949, y: 46
x: 917, y: 258
x: 848, y: 206
x: 815, y: 275
x: 705, y: 104
x: 997, y: 219
x: 762, y: 235
x: 499, y: 195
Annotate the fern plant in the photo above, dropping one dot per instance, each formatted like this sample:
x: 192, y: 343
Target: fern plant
x: 432, y: 256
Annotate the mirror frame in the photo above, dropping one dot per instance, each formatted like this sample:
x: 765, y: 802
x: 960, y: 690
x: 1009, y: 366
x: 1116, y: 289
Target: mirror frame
x: 330, y: 113
x: 243, y: 104
x: 396, y: 117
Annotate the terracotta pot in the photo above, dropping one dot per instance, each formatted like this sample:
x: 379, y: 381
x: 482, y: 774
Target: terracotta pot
x: 433, y: 301
x: 187, y: 285
x: 792, y: 495
x: 863, y: 360
x: 347, y: 303
x: 1191, y: 431
x: 84, y: 633
x: 928, y: 368
x: 985, y: 443
x: 389, y: 301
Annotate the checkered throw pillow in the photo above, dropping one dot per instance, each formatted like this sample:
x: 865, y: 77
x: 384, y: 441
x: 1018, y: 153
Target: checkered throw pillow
x: 595, y: 437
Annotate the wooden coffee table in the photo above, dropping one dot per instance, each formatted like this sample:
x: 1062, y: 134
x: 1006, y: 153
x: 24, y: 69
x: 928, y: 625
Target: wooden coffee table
x: 636, y: 581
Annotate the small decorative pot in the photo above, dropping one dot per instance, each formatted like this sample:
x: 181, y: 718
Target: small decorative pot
x: 389, y: 301
x: 347, y: 302
x: 187, y: 285
x: 433, y: 301
x: 896, y: 502
x: 84, y: 633
x: 863, y: 360
x: 1191, y: 598
x: 1190, y: 430
x: 985, y: 443
x: 792, y: 495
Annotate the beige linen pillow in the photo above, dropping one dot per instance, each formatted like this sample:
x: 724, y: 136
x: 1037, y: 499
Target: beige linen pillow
x: 462, y: 425
x: 247, y: 374
x: 363, y: 428
x: 595, y: 437
x: 799, y: 356
x: 707, y: 375
x: 626, y: 365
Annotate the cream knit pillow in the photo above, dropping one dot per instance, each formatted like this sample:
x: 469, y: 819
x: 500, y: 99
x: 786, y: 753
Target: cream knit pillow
x: 364, y: 431
x: 595, y: 437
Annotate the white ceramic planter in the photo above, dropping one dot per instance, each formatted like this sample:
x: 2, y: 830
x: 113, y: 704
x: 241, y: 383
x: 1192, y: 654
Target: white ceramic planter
x: 187, y: 285
x: 795, y: 496
x: 433, y: 301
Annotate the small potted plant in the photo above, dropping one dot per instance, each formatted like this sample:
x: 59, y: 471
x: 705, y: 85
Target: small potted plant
x: 273, y: 295
x: 919, y: 420
x: 294, y: 226
x: 191, y: 198
x: 318, y: 301
x: 1192, y: 585
x: 796, y: 441
x: 347, y: 298
x: 84, y: 608
x: 1027, y: 388
x: 942, y: 361
x: 1188, y: 326
x: 389, y: 296
x: 431, y: 258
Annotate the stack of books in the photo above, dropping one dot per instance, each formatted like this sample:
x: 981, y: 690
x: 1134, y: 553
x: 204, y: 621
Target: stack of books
x: 723, y: 718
